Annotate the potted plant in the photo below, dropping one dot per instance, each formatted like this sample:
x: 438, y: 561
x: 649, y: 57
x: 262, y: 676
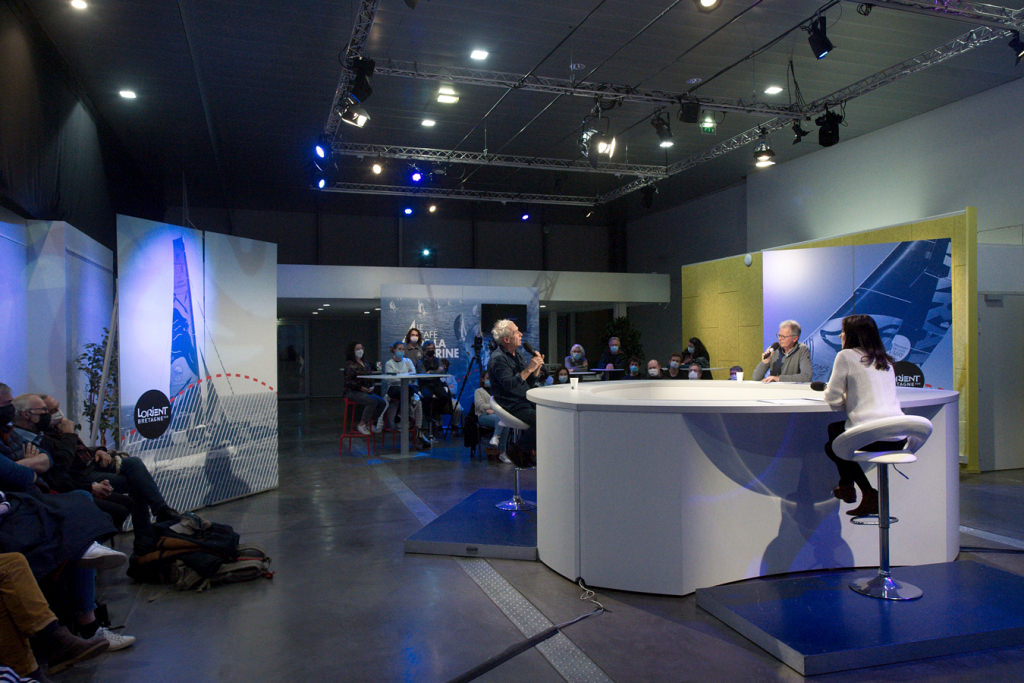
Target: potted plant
x: 90, y: 362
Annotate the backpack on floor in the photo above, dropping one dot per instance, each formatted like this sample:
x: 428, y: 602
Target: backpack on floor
x: 209, y: 551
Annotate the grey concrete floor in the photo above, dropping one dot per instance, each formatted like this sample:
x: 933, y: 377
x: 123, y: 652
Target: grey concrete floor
x: 347, y: 604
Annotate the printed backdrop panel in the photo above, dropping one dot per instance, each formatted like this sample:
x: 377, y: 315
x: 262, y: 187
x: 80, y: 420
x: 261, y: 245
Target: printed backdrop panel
x: 197, y: 315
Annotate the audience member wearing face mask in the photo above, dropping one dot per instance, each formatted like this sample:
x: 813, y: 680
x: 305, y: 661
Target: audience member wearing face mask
x: 653, y: 369
x: 576, y: 361
x: 414, y: 345
x: 398, y: 364
x: 361, y: 391
x: 696, y: 353
x: 675, y: 369
x: 633, y: 368
x: 612, y: 358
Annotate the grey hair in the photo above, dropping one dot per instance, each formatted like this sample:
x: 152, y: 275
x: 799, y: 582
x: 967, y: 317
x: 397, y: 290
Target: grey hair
x: 794, y: 326
x: 501, y: 330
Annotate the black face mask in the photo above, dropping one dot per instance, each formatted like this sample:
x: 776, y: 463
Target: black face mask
x: 44, y: 422
x: 429, y: 352
x: 6, y: 415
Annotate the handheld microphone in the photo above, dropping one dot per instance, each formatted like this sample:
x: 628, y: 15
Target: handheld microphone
x: 775, y: 346
x: 528, y: 348
x: 818, y: 386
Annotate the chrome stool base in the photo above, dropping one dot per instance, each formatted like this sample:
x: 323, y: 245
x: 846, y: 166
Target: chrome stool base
x: 883, y: 586
x: 516, y: 504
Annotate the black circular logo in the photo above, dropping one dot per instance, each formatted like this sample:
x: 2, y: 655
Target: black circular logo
x: 908, y: 374
x: 152, y: 414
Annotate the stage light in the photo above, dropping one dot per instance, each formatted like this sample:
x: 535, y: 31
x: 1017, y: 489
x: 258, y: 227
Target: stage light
x: 432, y: 208
x: 321, y: 183
x: 828, y: 128
x: 819, y: 42
x: 663, y: 130
x: 355, y: 115
x: 79, y: 4
x: 479, y: 55
x: 127, y: 94
x: 798, y: 132
x: 407, y: 211
x: 773, y: 90
x: 446, y: 95
x: 362, y: 81
x: 764, y: 155
x: 708, y: 124
x: 428, y: 123
x: 689, y: 112
x: 1017, y: 46
x: 706, y: 5
x: 593, y: 143
x: 425, y: 253
x: 377, y: 168
x: 320, y: 151
x: 525, y: 216
x: 416, y: 176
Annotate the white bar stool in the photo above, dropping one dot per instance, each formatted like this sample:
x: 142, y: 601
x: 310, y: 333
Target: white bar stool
x: 915, y: 430
x: 507, y: 419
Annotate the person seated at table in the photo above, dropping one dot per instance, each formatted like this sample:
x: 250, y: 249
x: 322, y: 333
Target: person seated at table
x: 434, y: 395
x: 612, y: 358
x: 360, y: 390
x: 398, y: 364
x: 787, y: 360
x: 695, y: 371
x: 576, y: 361
x: 414, y: 345
x: 697, y: 353
x: 733, y: 370
x: 512, y: 374
x: 653, y: 369
x: 562, y: 376
x: 675, y: 367
x: 487, y: 418
x: 633, y: 368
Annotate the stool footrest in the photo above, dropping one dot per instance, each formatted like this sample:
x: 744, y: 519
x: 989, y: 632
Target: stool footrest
x: 871, y: 520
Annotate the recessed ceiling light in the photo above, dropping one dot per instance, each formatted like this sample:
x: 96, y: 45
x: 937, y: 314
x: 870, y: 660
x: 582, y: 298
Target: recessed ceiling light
x: 326, y: 306
x: 79, y: 4
x: 377, y: 308
x: 127, y: 94
x: 316, y: 312
x: 366, y: 313
x: 772, y: 90
x: 479, y: 55
x: 429, y: 123
x: 446, y: 95
x: 543, y: 305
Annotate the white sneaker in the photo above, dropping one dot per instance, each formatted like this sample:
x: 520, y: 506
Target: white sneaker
x: 117, y: 641
x: 99, y: 556
x: 494, y: 441
x: 378, y: 428
x: 363, y: 429
x: 504, y: 458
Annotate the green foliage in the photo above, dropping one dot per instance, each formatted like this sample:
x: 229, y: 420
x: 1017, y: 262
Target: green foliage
x: 627, y: 334
x: 90, y: 362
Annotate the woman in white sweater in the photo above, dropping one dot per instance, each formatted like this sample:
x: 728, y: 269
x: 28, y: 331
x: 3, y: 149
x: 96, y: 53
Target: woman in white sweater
x: 863, y: 383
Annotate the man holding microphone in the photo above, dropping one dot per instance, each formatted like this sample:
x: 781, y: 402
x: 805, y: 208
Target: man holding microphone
x: 787, y: 359
x: 512, y: 374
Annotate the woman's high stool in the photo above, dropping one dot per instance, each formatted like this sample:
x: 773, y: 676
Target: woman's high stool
x: 849, y: 445
x: 507, y: 419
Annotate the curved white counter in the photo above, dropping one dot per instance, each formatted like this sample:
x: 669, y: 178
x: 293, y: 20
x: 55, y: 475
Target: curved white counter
x: 666, y: 486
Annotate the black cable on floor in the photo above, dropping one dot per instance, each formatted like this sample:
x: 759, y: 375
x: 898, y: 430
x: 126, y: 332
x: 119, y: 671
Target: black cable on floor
x: 981, y: 549
x: 519, y: 648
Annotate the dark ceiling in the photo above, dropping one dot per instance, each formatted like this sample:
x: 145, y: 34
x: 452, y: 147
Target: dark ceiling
x: 232, y: 95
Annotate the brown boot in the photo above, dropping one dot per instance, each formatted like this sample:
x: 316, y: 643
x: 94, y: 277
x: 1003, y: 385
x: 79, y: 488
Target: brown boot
x: 63, y: 648
x: 868, y: 504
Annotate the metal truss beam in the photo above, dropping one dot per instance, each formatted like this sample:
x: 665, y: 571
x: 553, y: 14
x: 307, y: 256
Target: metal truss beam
x: 458, y: 193
x: 979, y: 13
x: 608, y: 92
x: 958, y: 46
x: 444, y: 156
x: 360, y: 33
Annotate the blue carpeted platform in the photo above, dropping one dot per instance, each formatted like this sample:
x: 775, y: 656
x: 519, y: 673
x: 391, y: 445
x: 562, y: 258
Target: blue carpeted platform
x: 815, y: 624
x: 475, y: 528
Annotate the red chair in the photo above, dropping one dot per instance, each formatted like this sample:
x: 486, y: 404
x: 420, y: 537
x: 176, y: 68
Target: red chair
x: 349, y: 428
x: 396, y: 435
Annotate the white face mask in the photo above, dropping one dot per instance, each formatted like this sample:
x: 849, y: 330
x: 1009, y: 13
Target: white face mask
x: 413, y: 339
x: 653, y: 372
x: 359, y: 353
x: 56, y: 417
x: 694, y: 374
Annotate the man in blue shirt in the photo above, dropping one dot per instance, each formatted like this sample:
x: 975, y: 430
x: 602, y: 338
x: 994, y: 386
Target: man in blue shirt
x: 512, y: 374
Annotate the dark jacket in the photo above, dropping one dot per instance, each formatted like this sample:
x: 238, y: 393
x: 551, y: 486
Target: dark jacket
x: 618, y: 360
x: 507, y: 387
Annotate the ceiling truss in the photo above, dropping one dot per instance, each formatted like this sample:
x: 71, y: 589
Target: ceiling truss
x: 459, y: 193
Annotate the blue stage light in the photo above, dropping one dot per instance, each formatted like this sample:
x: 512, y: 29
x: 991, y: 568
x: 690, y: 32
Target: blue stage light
x: 320, y: 151
x: 416, y: 176
x: 525, y: 217
x: 321, y: 183
x: 408, y: 211
x: 426, y: 253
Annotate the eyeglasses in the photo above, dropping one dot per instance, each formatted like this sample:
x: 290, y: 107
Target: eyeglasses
x: 785, y: 336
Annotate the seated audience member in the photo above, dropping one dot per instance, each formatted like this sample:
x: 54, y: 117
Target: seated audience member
x: 787, y: 360
x: 697, y: 353
x: 512, y: 374
x: 576, y: 361
x: 398, y: 364
x: 562, y: 376
x: 733, y: 370
x: 106, y: 474
x: 612, y: 357
x: 486, y: 416
x: 453, y: 390
x: 633, y: 369
x: 59, y: 536
x: 434, y: 394
x: 360, y: 390
x: 695, y: 371
x: 653, y: 369
x: 413, y: 345
x: 24, y: 615
x: 21, y: 463
x: 675, y: 367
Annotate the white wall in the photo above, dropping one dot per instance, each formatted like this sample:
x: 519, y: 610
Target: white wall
x: 967, y: 153
x: 13, y: 305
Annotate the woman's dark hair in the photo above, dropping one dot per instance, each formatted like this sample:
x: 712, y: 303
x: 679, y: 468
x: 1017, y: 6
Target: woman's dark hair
x: 699, y: 350
x: 418, y: 334
x: 861, y: 332
x: 351, y: 355
x: 483, y: 376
